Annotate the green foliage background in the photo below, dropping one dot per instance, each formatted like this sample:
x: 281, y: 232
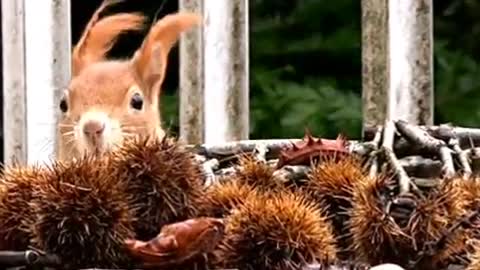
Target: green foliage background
x: 306, y: 67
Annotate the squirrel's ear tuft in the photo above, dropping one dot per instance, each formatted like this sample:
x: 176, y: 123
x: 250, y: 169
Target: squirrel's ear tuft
x: 100, y: 35
x: 150, y: 60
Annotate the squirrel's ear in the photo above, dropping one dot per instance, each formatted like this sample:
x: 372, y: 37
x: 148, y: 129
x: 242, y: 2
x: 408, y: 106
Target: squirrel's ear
x: 150, y: 60
x: 100, y: 35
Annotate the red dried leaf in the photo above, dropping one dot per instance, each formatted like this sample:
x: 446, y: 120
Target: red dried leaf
x: 303, y: 152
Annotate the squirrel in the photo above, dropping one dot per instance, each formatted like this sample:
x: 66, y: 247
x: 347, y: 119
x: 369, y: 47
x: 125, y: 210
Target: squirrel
x: 107, y: 100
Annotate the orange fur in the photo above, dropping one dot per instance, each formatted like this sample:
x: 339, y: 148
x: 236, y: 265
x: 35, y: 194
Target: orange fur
x: 100, y: 35
x: 103, y: 91
x: 150, y: 61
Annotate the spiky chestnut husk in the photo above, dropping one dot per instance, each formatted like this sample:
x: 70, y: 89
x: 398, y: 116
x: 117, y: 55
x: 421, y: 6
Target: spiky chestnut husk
x: 164, y: 180
x: 331, y: 182
x: 377, y: 237
x: 221, y: 197
x: 219, y: 201
x: 445, y: 207
x: 256, y: 173
x: 16, y: 191
x: 474, y: 256
x: 276, y: 232
x: 82, y: 215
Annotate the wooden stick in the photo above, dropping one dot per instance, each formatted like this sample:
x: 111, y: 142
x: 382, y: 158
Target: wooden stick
x: 208, y: 168
x: 462, y: 157
x: 273, y: 147
x: 374, y: 165
x: 28, y: 257
x: 387, y: 147
x: 421, y: 167
x: 418, y: 136
x: 291, y: 173
x: 466, y: 136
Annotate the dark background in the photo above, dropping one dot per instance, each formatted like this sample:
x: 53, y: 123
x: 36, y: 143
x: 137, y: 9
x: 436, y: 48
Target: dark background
x: 305, y: 60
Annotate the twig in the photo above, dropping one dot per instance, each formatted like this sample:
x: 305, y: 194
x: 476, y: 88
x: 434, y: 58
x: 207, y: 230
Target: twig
x: 237, y: 147
x: 418, y: 136
x: 445, y: 132
x: 291, y: 173
x: 387, y: 148
x: 208, y: 168
x: 29, y: 257
x: 272, y: 146
x: 337, y: 266
x: 374, y: 165
x: 200, y: 158
x: 228, y: 151
x: 462, y: 157
x: 421, y: 167
x: 226, y: 171
x: 446, y: 157
x: 261, y: 152
x: 473, y: 155
x: 424, y: 182
x: 463, y: 222
x: 431, y: 248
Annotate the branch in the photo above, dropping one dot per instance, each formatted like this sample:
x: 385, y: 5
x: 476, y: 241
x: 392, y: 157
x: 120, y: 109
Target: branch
x: 291, y: 173
x: 387, y: 147
x: 418, y: 136
x: 29, y: 257
x: 421, y: 167
x: 374, y: 165
x: 208, y: 169
x: 467, y: 137
x: 473, y: 155
x: 462, y: 157
x: 271, y: 146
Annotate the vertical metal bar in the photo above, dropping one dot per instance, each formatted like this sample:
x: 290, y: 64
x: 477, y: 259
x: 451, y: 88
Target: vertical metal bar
x: 411, y: 61
x: 14, y: 90
x: 226, y: 70
x: 191, y: 79
x: 375, y: 71
x: 48, y: 45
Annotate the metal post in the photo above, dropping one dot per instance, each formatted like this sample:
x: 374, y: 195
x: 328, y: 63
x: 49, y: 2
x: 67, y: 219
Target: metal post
x: 375, y: 72
x: 226, y: 70
x: 14, y: 91
x: 411, y: 61
x: 48, y: 48
x: 191, y: 79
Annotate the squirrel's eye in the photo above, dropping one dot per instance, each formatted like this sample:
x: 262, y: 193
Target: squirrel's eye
x: 137, y: 101
x: 63, y: 105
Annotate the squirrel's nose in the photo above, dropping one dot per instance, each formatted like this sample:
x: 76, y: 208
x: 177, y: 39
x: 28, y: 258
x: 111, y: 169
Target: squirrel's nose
x: 93, y: 128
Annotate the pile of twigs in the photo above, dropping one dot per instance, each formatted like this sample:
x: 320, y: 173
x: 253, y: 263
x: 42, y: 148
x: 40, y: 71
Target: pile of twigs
x: 418, y: 154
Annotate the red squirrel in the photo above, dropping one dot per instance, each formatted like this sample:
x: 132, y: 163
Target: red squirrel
x: 109, y: 100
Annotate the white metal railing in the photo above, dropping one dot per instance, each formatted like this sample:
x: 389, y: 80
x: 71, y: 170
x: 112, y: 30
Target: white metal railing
x: 36, y: 68
x: 214, y: 70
